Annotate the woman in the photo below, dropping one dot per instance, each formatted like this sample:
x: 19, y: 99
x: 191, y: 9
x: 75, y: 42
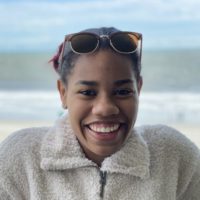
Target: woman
x: 95, y: 152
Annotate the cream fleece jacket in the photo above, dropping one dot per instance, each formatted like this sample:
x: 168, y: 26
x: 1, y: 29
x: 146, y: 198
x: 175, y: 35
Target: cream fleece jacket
x: 155, y: 163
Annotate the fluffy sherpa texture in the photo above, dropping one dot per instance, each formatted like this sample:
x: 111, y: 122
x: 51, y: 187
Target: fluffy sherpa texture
x: 155, y: 163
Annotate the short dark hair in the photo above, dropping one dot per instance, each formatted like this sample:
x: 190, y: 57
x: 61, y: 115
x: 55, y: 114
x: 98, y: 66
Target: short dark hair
x: 70, y: 57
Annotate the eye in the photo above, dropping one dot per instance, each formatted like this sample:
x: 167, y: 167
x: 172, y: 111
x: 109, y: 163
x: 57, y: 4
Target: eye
x: 123, y: 92
x: 88, y: 92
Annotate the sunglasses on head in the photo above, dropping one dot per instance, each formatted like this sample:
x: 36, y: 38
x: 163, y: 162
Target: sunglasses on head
x: 121, y: 42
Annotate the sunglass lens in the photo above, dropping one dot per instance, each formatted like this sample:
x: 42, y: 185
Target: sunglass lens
x: 124, y: 42
x: 84, y: 43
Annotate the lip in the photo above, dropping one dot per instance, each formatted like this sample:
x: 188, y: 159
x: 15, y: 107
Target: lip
x: 99, y: 136
x: 104, y: 128
x: 111, y: 121
x: 103, y: 136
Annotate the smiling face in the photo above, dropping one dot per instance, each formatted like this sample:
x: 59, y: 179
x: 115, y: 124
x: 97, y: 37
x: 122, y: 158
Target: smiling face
x: 101, y: 96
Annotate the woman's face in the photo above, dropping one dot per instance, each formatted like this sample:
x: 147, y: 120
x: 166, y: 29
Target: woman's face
x: 102, y: 101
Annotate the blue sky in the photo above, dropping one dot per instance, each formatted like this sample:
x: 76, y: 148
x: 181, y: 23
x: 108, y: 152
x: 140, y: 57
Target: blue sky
x: 40, y: 25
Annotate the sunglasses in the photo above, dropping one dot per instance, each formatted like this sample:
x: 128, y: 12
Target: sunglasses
x: 121, y: 42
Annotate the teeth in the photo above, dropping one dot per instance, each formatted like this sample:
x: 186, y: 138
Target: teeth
x: 104, y: 129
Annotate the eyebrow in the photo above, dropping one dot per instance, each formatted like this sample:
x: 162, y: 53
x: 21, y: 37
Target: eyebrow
x: 123, y: 81
x: 94, y: 83
x: 88, y: 83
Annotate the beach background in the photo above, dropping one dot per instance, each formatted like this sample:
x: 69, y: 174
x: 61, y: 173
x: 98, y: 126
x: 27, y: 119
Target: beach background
x: 31, y: 30
x: 170, y: 95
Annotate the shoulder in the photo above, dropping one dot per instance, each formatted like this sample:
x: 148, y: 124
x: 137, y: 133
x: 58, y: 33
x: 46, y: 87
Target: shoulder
x: 166, y: 136
x: 171, y: 150
x: 17, y: 146
x: 24, y: 138
x: 19, y: 157
x: 169, y: 143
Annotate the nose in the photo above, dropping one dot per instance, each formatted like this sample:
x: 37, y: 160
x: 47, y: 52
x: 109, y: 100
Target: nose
x: 105, y: 106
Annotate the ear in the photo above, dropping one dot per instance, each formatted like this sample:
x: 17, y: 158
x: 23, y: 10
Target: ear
x: 63, y: 93
x: 139, y: 85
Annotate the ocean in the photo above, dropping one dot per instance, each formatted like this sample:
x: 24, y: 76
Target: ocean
x: 171, y: 92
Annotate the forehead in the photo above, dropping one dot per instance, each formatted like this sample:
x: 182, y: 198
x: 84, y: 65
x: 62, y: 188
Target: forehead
x: 102, y: 65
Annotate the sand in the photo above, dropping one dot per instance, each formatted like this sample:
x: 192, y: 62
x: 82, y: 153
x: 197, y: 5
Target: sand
x: 192, y: 131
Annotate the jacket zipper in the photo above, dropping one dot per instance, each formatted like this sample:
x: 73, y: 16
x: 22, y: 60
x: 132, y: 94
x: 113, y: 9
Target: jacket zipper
x: 103, y: 176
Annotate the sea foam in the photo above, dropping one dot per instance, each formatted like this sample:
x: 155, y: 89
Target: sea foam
x: 154, y: 107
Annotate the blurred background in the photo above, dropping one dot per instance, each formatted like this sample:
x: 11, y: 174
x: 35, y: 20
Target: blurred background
x: 31, y: 30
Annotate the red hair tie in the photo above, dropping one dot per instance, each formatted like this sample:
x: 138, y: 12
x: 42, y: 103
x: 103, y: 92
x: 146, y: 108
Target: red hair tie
x: 56, y: 57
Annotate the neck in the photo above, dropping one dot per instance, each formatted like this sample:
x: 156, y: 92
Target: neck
x: 98, y: 159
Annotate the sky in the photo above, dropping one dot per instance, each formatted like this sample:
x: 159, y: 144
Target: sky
x: 40, y: 25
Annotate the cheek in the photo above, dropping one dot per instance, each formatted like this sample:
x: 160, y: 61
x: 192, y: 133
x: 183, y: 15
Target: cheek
x: 74, y: 118
x: 77, y: 107
x: 77, y: 111
x: 130, y: 109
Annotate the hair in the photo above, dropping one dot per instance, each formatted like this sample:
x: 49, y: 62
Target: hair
x: 70, y: 57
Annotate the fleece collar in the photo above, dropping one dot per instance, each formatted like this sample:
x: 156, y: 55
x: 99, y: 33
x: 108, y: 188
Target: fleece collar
x: 61, y: 151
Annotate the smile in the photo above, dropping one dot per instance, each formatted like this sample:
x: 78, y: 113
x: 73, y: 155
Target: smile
x: 104, y: 128
x: 104, y: 132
